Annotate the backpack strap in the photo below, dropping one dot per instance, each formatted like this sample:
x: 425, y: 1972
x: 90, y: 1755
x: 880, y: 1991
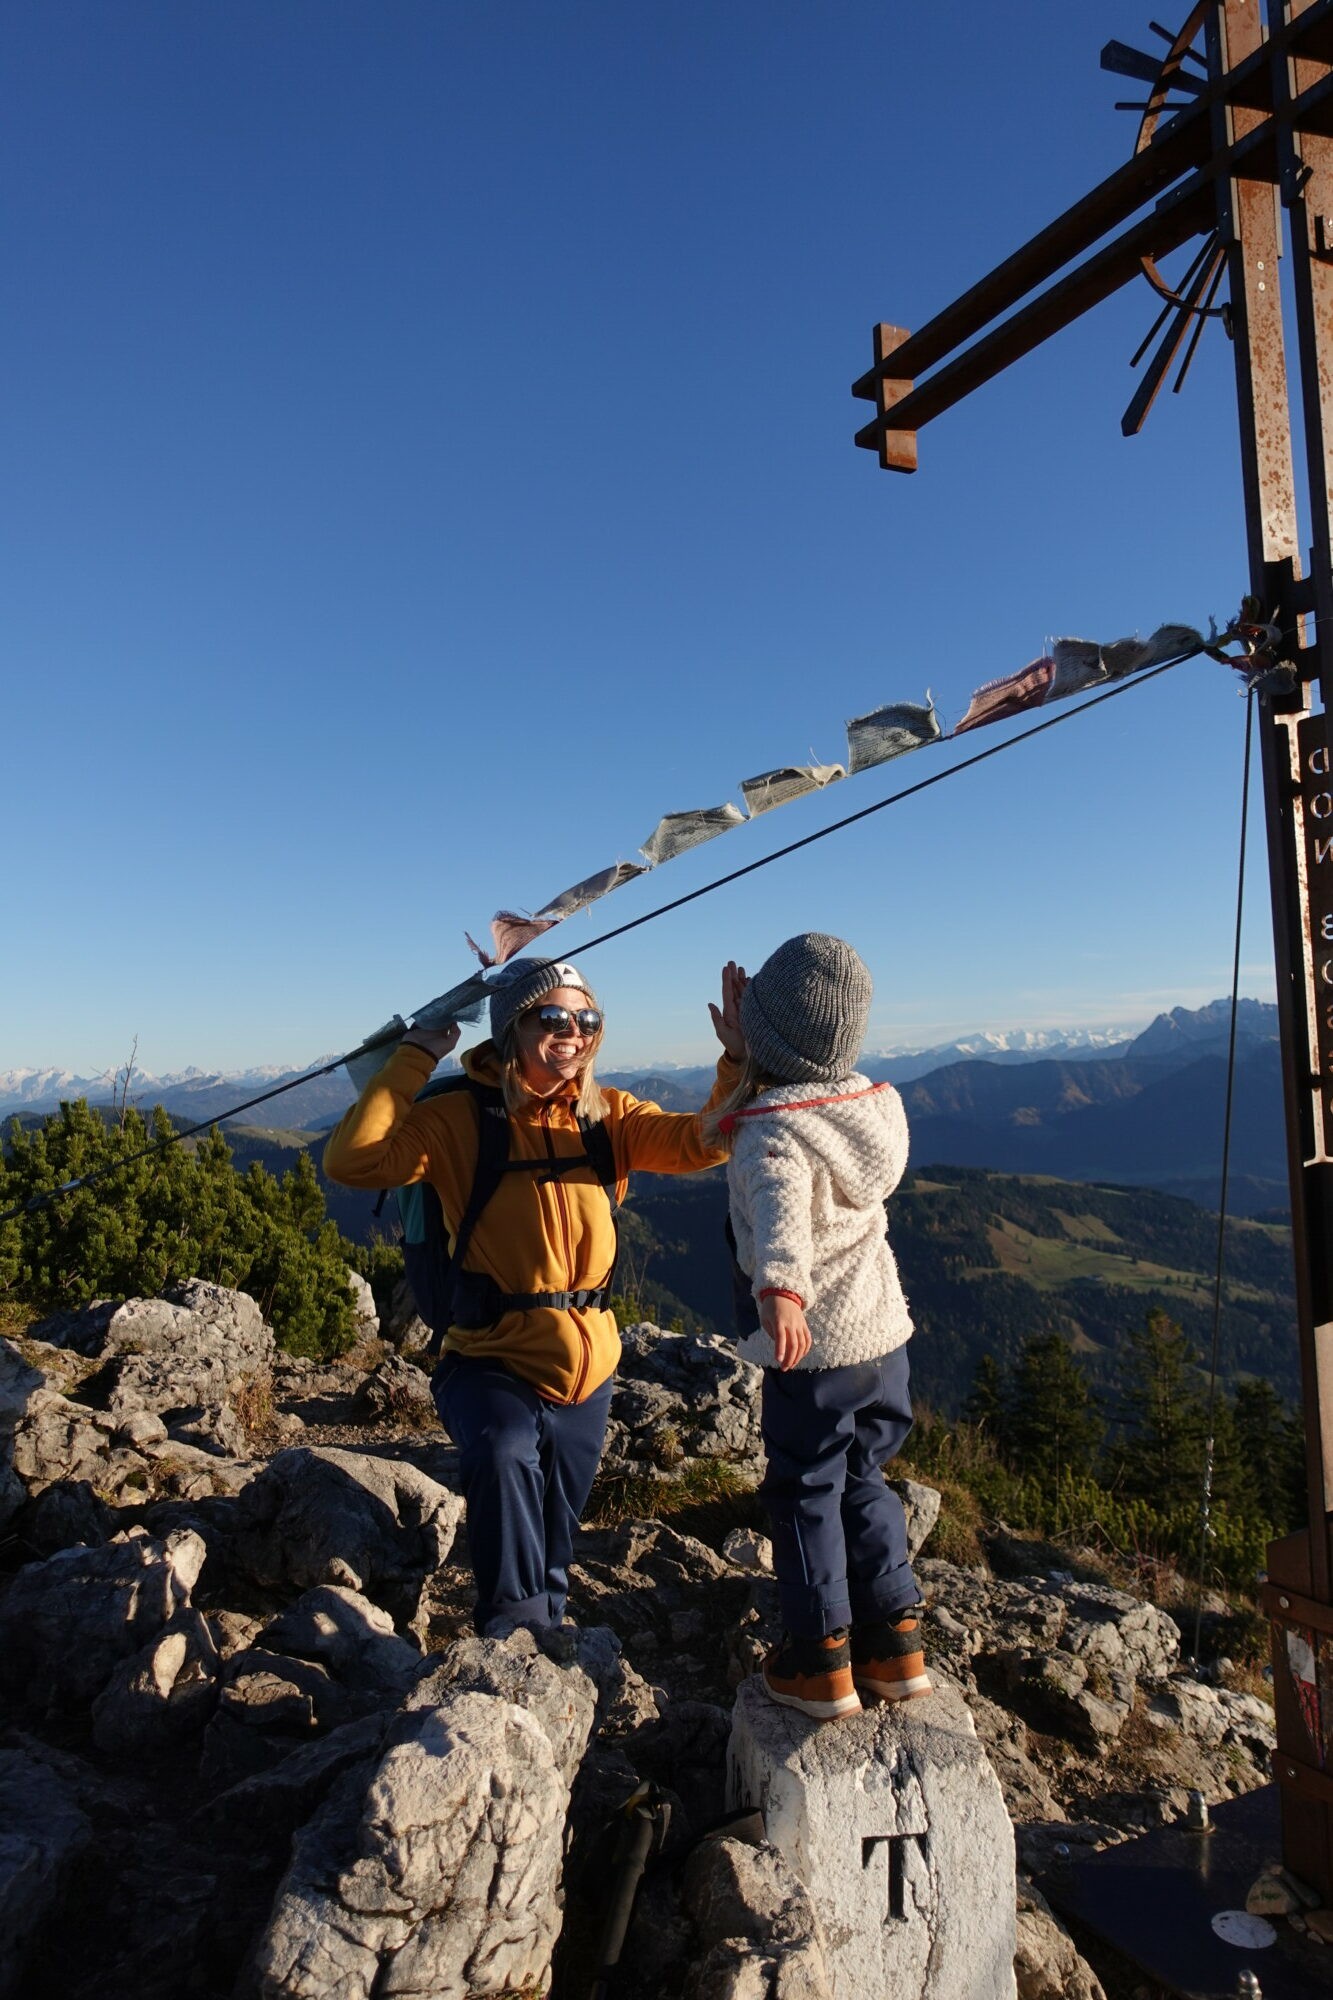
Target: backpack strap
x: 473, y: 1298
x: 602, y: 1159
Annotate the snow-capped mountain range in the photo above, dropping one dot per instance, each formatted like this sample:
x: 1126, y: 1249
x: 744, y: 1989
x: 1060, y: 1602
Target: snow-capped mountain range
x: 199, y: 1094
x: 37, y: 1089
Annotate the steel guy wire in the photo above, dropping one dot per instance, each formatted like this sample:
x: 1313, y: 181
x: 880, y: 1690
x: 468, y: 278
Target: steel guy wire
x: 39, y: 1201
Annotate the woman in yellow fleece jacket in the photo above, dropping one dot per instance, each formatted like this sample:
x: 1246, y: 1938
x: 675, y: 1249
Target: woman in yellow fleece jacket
x: 526, y: 1398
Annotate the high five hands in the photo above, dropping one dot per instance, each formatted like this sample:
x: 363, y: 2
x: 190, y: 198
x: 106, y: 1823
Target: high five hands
x: 727, y: 1018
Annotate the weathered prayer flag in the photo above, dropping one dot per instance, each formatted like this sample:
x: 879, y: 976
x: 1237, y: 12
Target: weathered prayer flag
x: 1009, y: 695
x: 790, y: 781
x: 677, y: 831
x: 590, y: 890
x: 889, y: 732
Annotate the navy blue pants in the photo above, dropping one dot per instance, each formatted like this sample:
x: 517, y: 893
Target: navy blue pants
x: 839, y: 1532
x: 528, y: 1467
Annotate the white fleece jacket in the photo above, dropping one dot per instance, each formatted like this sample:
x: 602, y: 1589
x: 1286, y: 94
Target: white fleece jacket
x: 810, y: 1169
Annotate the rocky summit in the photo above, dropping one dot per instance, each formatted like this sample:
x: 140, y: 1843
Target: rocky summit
x: 251, y: 1747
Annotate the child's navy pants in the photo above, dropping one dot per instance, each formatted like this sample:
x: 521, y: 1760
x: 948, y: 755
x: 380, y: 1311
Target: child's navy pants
x: 528, y: 1467
x: 839, y: 1532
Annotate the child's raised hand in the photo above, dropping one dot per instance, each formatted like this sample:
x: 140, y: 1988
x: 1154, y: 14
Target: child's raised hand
x: 783, y: 1320
x: 727, y: 1017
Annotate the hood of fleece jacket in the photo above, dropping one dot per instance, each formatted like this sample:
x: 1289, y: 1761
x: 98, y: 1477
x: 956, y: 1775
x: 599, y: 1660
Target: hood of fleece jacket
x: 857, y: 1130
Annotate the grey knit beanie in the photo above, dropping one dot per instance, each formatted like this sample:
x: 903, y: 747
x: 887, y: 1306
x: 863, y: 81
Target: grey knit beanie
x: 524, y: 981
x: 804, y: 1012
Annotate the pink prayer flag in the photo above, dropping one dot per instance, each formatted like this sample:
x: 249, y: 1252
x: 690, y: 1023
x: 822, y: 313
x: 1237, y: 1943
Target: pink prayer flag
x: 1009, y: 696
x: 509, y: 933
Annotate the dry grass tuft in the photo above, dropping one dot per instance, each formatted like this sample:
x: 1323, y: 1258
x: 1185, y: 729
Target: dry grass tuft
x: 956, y: 1535
x: 707, y: 1498
x: 253, y: 1403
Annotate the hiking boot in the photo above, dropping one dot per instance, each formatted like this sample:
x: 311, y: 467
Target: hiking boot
x: 814, y: 1675
x: 887, y: 1660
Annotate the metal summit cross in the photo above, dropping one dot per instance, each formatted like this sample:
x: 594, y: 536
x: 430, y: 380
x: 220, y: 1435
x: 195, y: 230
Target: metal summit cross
x: 1236, y: 131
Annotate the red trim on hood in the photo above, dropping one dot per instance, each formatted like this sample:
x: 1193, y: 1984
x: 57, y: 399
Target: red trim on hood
x: 728, y: 1123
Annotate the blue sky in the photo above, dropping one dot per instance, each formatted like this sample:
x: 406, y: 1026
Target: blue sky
x: 427, y: 458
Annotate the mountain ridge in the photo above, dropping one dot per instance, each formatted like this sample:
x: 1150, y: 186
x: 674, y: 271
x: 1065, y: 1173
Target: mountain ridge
x: 43, y: 1088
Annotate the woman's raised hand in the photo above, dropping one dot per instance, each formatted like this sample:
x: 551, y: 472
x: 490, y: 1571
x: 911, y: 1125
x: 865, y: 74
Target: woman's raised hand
x: 727, y: 1018
x: 436, y: 1042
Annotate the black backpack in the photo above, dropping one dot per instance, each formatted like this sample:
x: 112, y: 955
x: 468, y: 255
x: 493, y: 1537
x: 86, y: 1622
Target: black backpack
x: 448, y: 1295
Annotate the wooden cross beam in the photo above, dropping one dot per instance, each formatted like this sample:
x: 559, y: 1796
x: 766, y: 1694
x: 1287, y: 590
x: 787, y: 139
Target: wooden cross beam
x: 1258, y: 119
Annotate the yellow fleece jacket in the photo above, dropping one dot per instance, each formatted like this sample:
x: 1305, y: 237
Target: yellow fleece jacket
x: 533, y: 1235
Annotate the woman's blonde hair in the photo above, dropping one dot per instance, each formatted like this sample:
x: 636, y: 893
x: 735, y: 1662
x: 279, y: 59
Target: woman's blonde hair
x: 590, y: 1102
x: 749, y: 1083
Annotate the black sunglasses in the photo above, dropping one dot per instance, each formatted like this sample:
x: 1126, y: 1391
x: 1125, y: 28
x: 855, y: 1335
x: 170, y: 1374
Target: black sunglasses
x: 559, y: 1019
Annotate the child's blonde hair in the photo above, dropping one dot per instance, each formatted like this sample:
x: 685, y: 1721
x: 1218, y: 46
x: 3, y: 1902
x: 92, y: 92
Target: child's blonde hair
x: 748, y: 1085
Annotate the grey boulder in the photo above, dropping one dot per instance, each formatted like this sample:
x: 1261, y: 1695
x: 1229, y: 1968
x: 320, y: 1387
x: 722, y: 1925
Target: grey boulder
x: 562, y: 1700
x: 756, y: 1925
x: 196, y: 1346
x: 681, y: 1396
x: 349, y: 1636
x: 162, y: 1696
x: 375, y: 1525
x: 1047, y: 1965
x: 42, y: 1833
x: 68, y: 1622
x: 440, y: 1875
x: 363, y: 1305
x: 921, y: 1506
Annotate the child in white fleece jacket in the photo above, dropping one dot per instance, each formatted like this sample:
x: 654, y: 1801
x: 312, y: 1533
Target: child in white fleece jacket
x: 816, y: 1149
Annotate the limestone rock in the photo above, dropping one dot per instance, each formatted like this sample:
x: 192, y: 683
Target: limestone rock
x: 1047, y: 1965
x: 397, y: 1389
x: 141, y: 1427
x: 194, y: 1347
x: 327, y: 1662
x: 162, y: 1696
x: 66, y: 1623
x: 214, y: 1428
x: 1250, y: 1723
x: 735, y: 1969
x: 363, y: 1305
x: 58, y: 1515
x: 1111, y: 1629
x: 55, y: 1440
x: 894, y: 1822
x: 404, y: 1327
x: 1191, y: 1706
x: 375, y: 1525
x: 734, y: 1890
x: 658, y: 1589
x: 745, y: 1548
x: 921, y: 1505
x: 440, y: 1876
x: 81, y: 1329
x: 12, y: 1493
x: 42, y: 1833
x: 1027, y: 1789
x: 20, y: 1382
x: 693, y: 1387
x: 268, y: 1806
x: 350, y: 1637
x: 560, y: 1700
